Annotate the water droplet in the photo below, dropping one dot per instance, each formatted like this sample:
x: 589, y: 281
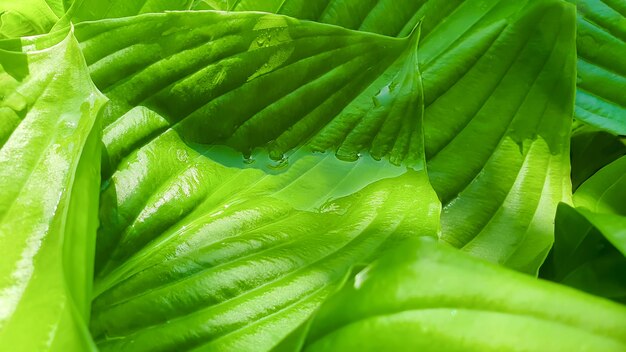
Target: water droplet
x: 278, y: 164
x: 248, y: 159
x: 375, y: 101
x: 393, y: 86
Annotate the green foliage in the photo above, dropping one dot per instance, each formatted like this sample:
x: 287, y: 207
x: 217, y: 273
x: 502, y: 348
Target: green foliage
x: 49, y: 180
x: 324, y: 175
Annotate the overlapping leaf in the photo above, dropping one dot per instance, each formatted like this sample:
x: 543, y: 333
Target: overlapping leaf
x: 591, y: 150
x: 601, y: 42
x: 499, y: 160
x: 590, y: 239
x: 248, y: 80
x: 498, y: 87
x: 197, y: 254
x: 423, y: 297
x: 49, y: 180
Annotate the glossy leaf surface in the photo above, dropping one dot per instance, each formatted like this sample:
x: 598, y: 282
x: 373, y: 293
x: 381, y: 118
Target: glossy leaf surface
x: 339, y: 90
x: 498, y: 91
x: 601, y: 42
x: 49, y: 180
x: 236, y: 257
x: 425, y: 297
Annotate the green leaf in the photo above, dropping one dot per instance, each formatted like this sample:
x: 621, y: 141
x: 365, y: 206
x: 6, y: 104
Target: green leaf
x: 498, y: 92
x: 301, y: 82
x: 25, y: 17
x: 591, y: 239
x: 428, y: 298
x: 49, y: 181
x: 583, y: 258
x: 601, y: 42
x: 591, y: 150
x: 89, y: 10
x: 499, y: 157
x: 274, y: 236
x: 601, y: 199
x: 195, y: 254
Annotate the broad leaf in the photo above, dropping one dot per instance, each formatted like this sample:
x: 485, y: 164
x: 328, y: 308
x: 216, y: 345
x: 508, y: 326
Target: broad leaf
x: 194, y: 254
x: 499, y: 157
x: 498, y: 88
x: 428, y: 298
x: 601, y: 199
x: 601, y: 42
x: 49, y: 181
x: 272, y: 244
x: 583, y: 258
x: 301, y: 82
x: 25, y: 17
x: 590, y: 248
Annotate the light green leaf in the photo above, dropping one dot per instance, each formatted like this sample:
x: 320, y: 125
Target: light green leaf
x: 194, y: 254
x: 601, y: 42
x: 428, y: 298
x: 601, y: 199
x: 271, y: 238
x: 49, y: 180
x: 88, y: 10
x: 25, y: 17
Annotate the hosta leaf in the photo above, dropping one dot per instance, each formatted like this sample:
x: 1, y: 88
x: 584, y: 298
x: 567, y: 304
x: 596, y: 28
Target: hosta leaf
x: 601, y: 42
x: 498, y: 89
x: 590, y: 248
x: 49, y: 181
x: 25, y: 17
x: 340, y: 90
x: 88, y: 10
x: 428, y: 298
x: 583, y: 258
x: 601, y: 199
x: 498, y: 158
x: 195, y: 254
x: 591, y: 150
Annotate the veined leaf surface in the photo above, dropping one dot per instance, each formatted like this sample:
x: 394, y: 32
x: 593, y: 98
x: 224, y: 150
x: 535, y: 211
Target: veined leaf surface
x: 499, y: 158
x: 49, y: 181
x: 199, y: 255
x: 25, y: 17
x: 498, y: 90
x: 339, y: 90
x: 601, y: 42
x: 425, y: 297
